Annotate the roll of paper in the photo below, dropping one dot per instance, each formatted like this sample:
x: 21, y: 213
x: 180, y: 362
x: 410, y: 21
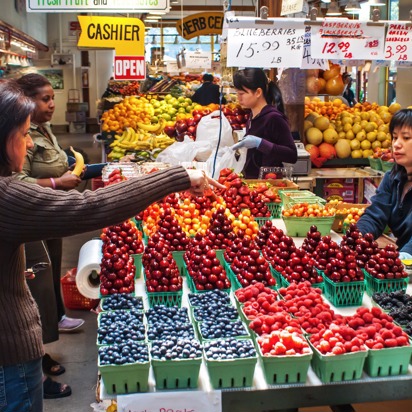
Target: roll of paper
x: 88, y: 269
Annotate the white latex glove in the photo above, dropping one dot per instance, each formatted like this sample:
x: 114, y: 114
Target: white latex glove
x: 404, y: 256
x: 250, y: 142
x: 200, y: 182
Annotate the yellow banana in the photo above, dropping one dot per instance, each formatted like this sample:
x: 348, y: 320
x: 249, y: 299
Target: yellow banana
x: 78, y: 169
x: 149, y: 127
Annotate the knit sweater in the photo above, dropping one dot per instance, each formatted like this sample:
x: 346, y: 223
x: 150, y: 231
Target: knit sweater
x: 29, y: 212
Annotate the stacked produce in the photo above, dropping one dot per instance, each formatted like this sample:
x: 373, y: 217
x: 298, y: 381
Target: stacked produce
x: 325, y: 81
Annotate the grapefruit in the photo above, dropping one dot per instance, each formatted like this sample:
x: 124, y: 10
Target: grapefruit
x: 314, y: 136
x: 322, y: 123
x: 330, y: 136
x: 343, y: 149
x: 394, y: 107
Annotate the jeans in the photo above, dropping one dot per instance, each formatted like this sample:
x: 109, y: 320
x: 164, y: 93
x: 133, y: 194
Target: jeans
x: 21, y: 387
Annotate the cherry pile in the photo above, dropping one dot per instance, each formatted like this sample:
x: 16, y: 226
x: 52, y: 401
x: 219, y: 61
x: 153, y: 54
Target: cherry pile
x: 278, y: 249
x: 162, y: 273
x: 263, y: 234
x: 300, y: 267
x: 313, y: 237
x: 385, y: 264
x: 220, y: 231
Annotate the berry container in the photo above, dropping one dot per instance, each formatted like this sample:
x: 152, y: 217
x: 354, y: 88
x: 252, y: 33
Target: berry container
x: 338, y: 368
x: 299, y: 226
x: 275, y: 209
x: 387, y: 166
x: 388, y: 361
x: 285, y: 369
x: 178, y: 257
x: 163, y: 298
x: 105, y: 301
x: 193, y: 289
x: 281, y: 282
x: 343, y: 293
x: 245, y: 335
x: 261, y: 221
x: 231, y: 373
x: 137, y: 258
x: 384, y: 285
x: 124, y: 379
x: 176, y: 374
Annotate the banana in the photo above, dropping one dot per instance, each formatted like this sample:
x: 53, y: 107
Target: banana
x: 149, y: 127
x: 78, y: 169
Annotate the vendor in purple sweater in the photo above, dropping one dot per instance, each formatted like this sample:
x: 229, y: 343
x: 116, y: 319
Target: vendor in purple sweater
x: 392, y: 203
x: 268, y: 135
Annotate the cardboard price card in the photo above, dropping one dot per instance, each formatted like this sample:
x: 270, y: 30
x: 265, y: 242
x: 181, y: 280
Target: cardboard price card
x: 347, y: 39
x: 398, y: 43
x: 308, y: 62
x: 273, y: 43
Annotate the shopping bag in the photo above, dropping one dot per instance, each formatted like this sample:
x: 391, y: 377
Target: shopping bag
x: 179, y: 152
x: 208, y: 131
x: 226, y: 157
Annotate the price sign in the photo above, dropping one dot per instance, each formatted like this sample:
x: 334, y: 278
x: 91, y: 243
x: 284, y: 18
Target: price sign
x: 398, y: 43
x: 291, y: 7
x: 198, y: 60
x: 186, y: 401
x: 347, y: 39
x: 308, y: 62
x: 275, y: 43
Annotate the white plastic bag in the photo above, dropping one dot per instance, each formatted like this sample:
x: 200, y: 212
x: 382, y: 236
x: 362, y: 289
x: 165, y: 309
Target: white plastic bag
x: 179, y: 152
x: 226, y: 157
x: 207, y: 134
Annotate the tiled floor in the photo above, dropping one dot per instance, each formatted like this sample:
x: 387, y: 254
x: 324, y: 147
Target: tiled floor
x: 77, y: 352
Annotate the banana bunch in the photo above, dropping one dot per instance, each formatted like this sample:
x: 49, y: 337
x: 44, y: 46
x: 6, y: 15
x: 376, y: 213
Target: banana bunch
x: 78, y: 168
x: 162, y: 141
x: 153, y: 128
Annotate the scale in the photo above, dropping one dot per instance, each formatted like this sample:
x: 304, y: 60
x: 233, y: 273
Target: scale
x: 303, y: 165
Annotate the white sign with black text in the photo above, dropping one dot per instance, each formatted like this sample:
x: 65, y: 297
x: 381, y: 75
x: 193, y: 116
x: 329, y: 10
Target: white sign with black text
x: 198, y: 59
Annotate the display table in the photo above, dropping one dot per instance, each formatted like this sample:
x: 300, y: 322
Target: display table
x: 288, y: 397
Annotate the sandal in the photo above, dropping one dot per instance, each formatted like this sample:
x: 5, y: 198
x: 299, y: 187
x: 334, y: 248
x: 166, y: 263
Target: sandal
x: 52, y: 367
x: 55, y: 390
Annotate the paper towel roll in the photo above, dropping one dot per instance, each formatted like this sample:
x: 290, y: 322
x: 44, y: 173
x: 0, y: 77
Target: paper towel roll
x: 88, y: 269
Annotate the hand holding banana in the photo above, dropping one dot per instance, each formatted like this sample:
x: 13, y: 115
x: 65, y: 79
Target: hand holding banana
x: 78, y: 168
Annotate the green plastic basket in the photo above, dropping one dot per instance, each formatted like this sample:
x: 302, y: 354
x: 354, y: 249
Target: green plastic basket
x: 388, y: 361
x: 180, y: 261
x: 193, y: 289
x: 285, y: 369
x: 375, y: 164
x: 123, y: 379
x: 176, y: 374
x: 299, y: 226
x: 139, y: 224
x: 163, y: 298
x: 320, y: 286
x: 246, y: 335
x: 281, y: 282
x: 286, y: 195
x: 343, y: 293
x: 387, y: 166
x: 137, y: 258
x: 231, y: 373
x: 338, y: 368
x: 275, y: 209
x: 384, y: 285
x: 261, y: 221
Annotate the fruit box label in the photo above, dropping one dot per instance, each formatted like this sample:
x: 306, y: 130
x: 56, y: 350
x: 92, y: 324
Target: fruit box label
x: 187, y: 401
x: 338, y: 182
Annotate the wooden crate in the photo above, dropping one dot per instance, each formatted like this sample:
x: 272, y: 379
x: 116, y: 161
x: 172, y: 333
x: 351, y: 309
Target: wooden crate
x: 340, y: 216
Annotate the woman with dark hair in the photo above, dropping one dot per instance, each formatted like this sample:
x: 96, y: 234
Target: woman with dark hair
x: 208, y: 92
x: 31, y: 213
x: 392, y: 204
x: 268, y: 136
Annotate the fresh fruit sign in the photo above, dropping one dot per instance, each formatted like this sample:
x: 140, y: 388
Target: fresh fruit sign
x: 125, y: 35
x: 345, y: 39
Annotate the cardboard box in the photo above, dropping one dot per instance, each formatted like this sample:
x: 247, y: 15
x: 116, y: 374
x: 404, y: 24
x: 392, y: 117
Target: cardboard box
x: 346, y: 193
x: 77, y: 106
x: 338, y: 182
x: 75, y: 117
x: 77, y: 127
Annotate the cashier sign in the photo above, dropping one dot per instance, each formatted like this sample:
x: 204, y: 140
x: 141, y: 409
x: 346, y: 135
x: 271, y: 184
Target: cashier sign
x: 125, y: 35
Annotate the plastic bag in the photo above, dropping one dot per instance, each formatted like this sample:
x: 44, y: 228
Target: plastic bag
x: 226, y: 157
x: 179, y: 152
x: 207, y: 134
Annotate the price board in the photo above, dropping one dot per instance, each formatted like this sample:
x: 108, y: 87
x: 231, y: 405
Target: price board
x: 398, y: 46
x: 308, y: 62
x: 272, y: 43
x: 347, y: 39
x: 291, y: 7
x: 198, y: 60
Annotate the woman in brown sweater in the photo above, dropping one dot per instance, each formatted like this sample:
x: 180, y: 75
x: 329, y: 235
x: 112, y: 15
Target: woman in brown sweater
x: 29, y: 213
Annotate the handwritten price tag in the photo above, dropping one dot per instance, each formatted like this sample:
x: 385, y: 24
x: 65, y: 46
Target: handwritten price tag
x: 347, y: 39
x: 186, y: 401
x: 307, y: 61
x: 198, y: 60
x: 291, y: 7
x: 277, y: 43
x: 398, y: 43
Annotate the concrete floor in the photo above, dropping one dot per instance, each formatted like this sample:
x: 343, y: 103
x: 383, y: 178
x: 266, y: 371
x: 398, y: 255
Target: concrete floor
x: 77, y: 352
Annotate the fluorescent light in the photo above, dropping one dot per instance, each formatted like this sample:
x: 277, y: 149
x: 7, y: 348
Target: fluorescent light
x: 154, y: 17
x: 151, y: 20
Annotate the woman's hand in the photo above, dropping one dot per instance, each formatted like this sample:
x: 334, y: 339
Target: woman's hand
x: 250, y: 142
x: 68, y: 181
x: 200, y: 182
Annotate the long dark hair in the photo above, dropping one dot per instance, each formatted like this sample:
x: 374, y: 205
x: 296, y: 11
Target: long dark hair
x: 15, y: 107
x: 31, y: 83
x: 254, y: 79
x: 402, y: 118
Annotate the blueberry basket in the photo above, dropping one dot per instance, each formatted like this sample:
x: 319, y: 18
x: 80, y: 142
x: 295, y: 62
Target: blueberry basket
x: 121, y: 301
x: 343, y: 293
x: 384, y: 285
x: 226, y: 332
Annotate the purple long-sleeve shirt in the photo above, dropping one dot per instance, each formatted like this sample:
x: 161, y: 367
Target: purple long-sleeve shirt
x: 277, y: 145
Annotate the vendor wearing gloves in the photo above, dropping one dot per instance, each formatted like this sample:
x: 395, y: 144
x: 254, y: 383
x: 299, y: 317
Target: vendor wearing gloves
x: 268, y: 136
x: 392, y: 203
